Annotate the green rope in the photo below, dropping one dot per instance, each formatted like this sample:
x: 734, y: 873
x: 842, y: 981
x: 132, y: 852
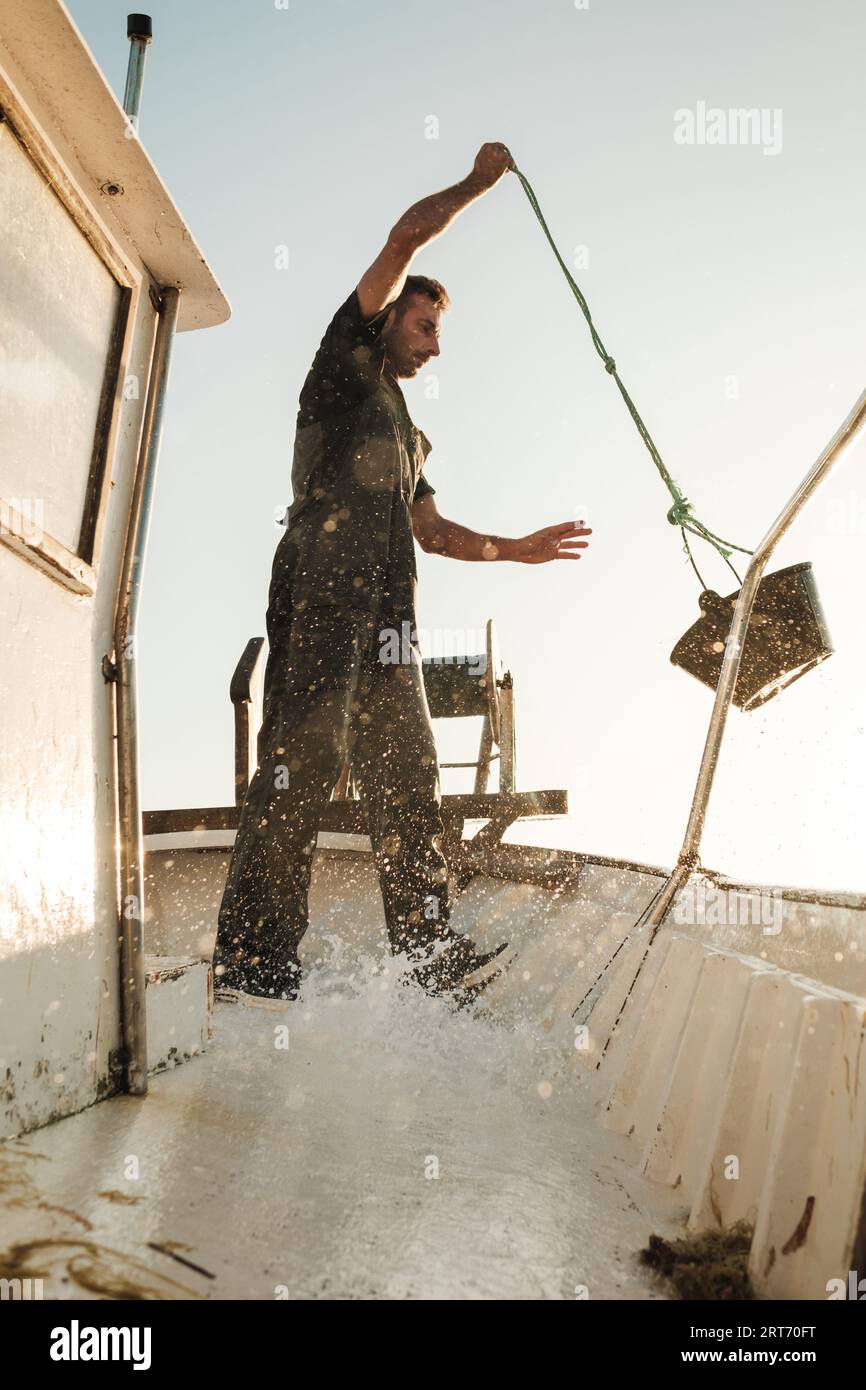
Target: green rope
x: 680, y: 513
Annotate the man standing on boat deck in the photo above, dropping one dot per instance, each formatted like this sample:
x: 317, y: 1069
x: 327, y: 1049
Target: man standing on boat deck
x: 343, y: 584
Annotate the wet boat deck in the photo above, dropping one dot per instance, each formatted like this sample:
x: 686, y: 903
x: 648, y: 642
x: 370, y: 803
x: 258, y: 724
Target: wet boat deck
x: 366, y: 1143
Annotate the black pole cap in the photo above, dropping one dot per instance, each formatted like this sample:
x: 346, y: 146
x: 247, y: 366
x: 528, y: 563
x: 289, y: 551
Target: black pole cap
x: 139, y: 26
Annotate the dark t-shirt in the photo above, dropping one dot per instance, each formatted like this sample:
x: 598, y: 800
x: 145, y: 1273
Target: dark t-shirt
x: 356, y: 471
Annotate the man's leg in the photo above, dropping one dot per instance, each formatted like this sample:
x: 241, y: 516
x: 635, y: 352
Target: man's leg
x: 311, y: 678
x: 395, y: 765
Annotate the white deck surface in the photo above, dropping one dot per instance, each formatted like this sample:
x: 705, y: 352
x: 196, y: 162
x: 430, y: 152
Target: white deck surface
x: 300, y: 1172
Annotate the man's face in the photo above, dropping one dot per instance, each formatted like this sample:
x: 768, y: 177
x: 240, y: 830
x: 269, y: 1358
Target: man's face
x: 413, y: 338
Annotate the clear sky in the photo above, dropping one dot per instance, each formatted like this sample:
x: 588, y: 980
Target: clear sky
x: 728, y: 280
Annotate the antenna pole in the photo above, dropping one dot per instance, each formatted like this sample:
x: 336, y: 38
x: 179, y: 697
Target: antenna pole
x: 139, y: 31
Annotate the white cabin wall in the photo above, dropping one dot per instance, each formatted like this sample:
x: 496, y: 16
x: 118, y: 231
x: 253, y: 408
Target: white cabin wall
x: 59, y: 970
x: 59, y: 924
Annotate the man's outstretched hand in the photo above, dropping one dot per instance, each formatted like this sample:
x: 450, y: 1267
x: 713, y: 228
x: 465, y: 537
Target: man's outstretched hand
x: 491, y: 162
x: 558, y: 542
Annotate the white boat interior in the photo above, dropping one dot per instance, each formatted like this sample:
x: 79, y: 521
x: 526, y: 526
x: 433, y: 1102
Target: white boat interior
x: 667, y: 1051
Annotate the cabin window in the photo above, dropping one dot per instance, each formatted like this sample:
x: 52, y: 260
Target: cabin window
x: 62, y: 315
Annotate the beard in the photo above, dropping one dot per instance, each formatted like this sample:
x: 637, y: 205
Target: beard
x: 404, y: 366
x: 402, y: 362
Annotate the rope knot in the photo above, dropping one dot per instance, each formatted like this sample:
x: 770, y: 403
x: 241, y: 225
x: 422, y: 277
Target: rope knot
x: 609, y: 365
x: 680, y: 513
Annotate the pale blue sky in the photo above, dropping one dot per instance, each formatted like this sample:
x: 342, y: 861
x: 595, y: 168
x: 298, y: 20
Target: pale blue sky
x: 307, y: 128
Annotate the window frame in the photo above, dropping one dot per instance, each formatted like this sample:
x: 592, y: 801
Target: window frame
x: 78, y: 569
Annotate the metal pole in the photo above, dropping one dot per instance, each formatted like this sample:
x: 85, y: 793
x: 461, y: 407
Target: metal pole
x: 132, y: 976
x: 689, y: 857
x: 689, y: 854
x: 139, y: 31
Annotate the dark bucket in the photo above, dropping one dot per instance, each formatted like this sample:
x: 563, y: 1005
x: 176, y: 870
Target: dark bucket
x: 787, y: 635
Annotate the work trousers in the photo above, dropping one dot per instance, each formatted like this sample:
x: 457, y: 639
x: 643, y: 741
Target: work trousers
x: 328, y: 699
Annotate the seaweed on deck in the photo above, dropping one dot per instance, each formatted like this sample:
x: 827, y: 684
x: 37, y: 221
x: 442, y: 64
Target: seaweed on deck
x: 710, y: 1265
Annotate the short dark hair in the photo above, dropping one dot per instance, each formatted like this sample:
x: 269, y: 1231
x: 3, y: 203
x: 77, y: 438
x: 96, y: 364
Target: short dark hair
x: 421, y: 284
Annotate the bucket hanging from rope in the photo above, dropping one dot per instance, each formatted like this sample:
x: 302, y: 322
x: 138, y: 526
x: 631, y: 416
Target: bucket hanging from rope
x: 786, y: 637
x: 787, y: 634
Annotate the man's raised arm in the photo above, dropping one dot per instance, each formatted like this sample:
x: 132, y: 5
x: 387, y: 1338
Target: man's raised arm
x: 439, y: 536
x: 422, y: 223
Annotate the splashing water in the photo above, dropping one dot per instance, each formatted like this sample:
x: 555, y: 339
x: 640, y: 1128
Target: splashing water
x: 398, y: 1148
